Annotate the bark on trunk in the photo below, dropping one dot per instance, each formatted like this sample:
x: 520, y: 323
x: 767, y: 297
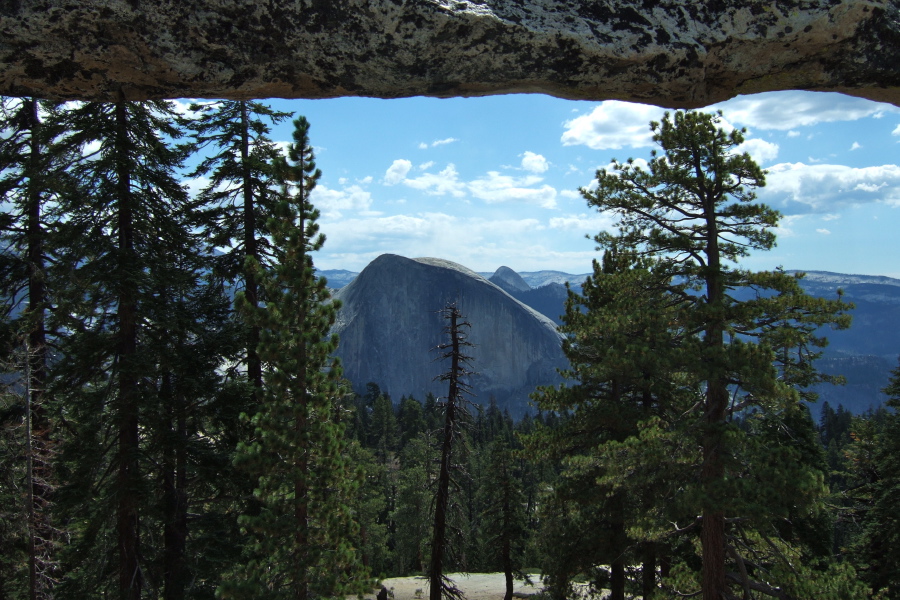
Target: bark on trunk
x: 648, y: 571
x: 127, y: 477
x: 42, y: 535
x: 251, y: 248
x: 175, y: 497
x: 712, y: 534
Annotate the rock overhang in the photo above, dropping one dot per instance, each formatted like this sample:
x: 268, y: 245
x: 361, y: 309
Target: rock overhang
x: 678, y: 54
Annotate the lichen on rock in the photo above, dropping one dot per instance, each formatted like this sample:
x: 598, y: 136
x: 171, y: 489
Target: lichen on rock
x: 672, y: 53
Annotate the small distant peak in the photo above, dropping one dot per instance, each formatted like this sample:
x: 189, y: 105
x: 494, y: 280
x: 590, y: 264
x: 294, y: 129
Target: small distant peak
x: 509, y: 281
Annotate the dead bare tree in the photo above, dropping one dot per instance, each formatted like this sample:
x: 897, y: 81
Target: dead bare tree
x: 455, y: 415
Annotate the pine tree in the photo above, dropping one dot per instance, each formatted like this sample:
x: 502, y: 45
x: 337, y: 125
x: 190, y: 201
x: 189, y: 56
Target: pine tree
x: 128, y: 248
x: 303, y: 537
x: 413, y: 513
x: 410, y: 419
x: 503, y: 517
x: 622, y: 385
x: 693, y: 214
x: 879, y: 544
x: 32, y: 163
x: 243, y: 191
x: 383, y: 433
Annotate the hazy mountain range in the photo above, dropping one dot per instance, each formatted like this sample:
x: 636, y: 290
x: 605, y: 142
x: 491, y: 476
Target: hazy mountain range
x: 388, y: 326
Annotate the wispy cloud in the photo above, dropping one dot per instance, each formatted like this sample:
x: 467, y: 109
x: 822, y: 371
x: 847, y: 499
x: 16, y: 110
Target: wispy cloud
x: 793, y: 109
x: 334, y: 203
x: 494, y: 188
x: 436, y: 143
x: 803, y: 188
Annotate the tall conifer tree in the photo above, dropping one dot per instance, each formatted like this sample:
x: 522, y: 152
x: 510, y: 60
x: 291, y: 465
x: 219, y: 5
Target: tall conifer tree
x: 622, y: 348
x: 303, y: 537
x: 879, y: 544
x: 693, y: 213
x: 33, y: 164
x: 242, y: 193
x: 129, y: 247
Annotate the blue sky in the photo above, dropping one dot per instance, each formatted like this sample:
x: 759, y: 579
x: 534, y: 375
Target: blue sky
x: 494, y: 181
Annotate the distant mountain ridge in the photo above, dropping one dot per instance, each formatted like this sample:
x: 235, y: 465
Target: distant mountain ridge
x: 338, y: 278
x: 866, y: 353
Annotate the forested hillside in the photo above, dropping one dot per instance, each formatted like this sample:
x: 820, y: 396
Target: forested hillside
x: 174, y: 422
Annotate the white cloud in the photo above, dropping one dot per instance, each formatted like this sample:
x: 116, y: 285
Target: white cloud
x: 534, y: 163
x: 333, y: 203
x: 444, y: 141
x: 613, y: 125
x: 584, y: 223
x: 195, y: 185
x: 571, y: 194
x: 792, y: 109
x: 896, y: 131
x: 823, y: 231
x: 183, y: 106
x: 436, y: 143
x: 397, y: 171
x: 761, y: 151
x: 785, y: 225
x: 490, y: 242
x: 855, y: 146
x: 831, y: 217
x: 869, y: 187
x: 802, y: 188
x: 91, y: 148
x: 426, y: 165
x: 438, y: 184
x: 494, y: 188
x: 793, y: 133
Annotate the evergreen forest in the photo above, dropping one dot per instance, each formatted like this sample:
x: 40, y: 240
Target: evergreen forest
x: 173, y: 423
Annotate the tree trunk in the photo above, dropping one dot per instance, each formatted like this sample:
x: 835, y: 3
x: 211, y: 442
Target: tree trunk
x: 127, y: 477
x: 439, y: 539
x: 175, y: 530
x: 507, y: 542
x: 42, y: 535
x: 439, y: 536
x: 712, y: 473
x: 648, y: 571
x: 251, y: 287
x: 617, y: 579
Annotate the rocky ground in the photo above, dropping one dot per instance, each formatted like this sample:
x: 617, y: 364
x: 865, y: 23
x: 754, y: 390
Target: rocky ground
x: 475, y: 586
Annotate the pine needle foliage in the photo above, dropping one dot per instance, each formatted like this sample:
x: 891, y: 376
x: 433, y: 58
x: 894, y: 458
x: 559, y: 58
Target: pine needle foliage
x: 303, y: 539
x: 243, y: 191
x: 127, y: 242
x: 32, y: 163
x: 724, y: 340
